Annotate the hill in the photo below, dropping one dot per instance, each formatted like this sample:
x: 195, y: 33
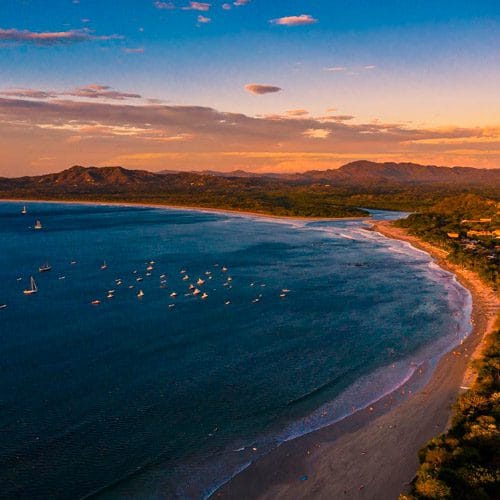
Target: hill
x: 329, y: 193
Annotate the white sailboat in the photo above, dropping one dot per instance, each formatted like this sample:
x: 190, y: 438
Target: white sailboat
x: 38, y: 225
x: 140, y: 294
x: 24, y: 211
x: 45, y: 267
x: 104, y: 265
x: 32, y: 289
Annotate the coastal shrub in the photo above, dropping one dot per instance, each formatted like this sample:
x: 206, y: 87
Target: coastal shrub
x: 464, y: 463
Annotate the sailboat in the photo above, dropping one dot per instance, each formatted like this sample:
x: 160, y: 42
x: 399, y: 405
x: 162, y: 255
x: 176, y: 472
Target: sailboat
x: 33, y: 288
x: 24, y: 211
x: 38, y: 225
x: 140, y: 294
x: 45, y: 267
x: 104, y: 265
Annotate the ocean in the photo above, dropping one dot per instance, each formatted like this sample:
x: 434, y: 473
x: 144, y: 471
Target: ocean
x: 160, y: 396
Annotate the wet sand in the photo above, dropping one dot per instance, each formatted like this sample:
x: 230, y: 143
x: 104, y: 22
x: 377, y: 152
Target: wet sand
x: 373, y: 453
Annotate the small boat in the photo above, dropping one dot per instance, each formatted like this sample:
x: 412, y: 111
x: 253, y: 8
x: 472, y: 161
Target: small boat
x: 205, y: 295
x: 73, y: 262
x: 163, y: 276
x: 95, y: 302
x: 32, y: 289
x: 140, y: 294
x: 149, y: 268
x: 185, y: 277
x: 224, y: 269
x: 139, y: 279
x: 111, y: 291
x: 152, y: 262
x: 3, y: 306
x: 19, y: 279
x: 196, y: 291
x: 109, y: 296
x: 282, y: 295
x: 254, y: 301
x: 148, y: 274
x: 227, y: 302
x: 44, y: 268
x: 173, y: 294
x: 38, y: 225
x: 171, y: 305
x: 191, y: 287
x: 285, y: 290
x: 183, y: 271
x: 24, y: 211
x: 104, y: 265
x: 61, y: 278
x: 200, y: 282
x: 208, y: 273
x: 229, y: 278
x: 119, y: 282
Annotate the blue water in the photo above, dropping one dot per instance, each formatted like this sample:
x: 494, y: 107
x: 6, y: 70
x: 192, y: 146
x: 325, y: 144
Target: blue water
x: 151, y: 397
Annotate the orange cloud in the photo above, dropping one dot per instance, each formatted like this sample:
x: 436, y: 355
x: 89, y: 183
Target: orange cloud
x: 301, y: 20
x: 259, y: 89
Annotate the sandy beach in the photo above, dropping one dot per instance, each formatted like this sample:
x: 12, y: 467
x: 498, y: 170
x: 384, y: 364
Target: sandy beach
x: 373, y: 453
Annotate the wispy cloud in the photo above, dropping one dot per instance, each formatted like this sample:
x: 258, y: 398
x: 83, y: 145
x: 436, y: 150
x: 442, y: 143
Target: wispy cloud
x: 131, y: 50
x: 259, y: 89
x: 316, y: 133
x: 52, y: 37
x: 204, y: 19
x: 164, y: 5
x: 301, y: 20
x: 101, y: 92
x: 297, y: 112
x: 88, y: 91
x: 240, y: 3
x: 336, y: 68
x: 226, y: 6
x: 29, y: 93
x: 204, y: 7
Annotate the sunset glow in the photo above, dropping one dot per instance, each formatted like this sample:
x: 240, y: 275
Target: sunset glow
x: 254, y: 85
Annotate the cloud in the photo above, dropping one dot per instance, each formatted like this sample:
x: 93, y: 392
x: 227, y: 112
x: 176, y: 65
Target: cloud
x: 203, y: 19
x: 240, y: 3
x: 336, y: 68
x: 29, y: 93
x: 301, y: 20
x: 370, y: 66
x: 297, y: 112
x: 196, y: 137
x: 164, y: 5
x: 52, y: 37
x: 101, y: 92
x: 226, y: 6
x: 258, y: 89
x: 89, y: 91
x: 204, y: 7
x: 317, y: 133
x: 130, y: 50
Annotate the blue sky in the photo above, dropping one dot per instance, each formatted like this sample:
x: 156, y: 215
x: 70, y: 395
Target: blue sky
x: 428, y: 64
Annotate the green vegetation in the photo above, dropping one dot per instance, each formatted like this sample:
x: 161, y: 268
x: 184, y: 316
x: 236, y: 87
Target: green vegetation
x: 464, y: 463
x: 465, y: 226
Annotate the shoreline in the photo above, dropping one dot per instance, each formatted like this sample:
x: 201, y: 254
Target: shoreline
x: 372, y: 454
x: 227, y: 211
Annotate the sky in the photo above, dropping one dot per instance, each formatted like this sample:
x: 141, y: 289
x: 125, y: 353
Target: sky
x: 259, y: 85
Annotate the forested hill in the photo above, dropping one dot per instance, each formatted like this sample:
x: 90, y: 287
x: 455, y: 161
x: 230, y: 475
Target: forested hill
x: 330, y: 193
